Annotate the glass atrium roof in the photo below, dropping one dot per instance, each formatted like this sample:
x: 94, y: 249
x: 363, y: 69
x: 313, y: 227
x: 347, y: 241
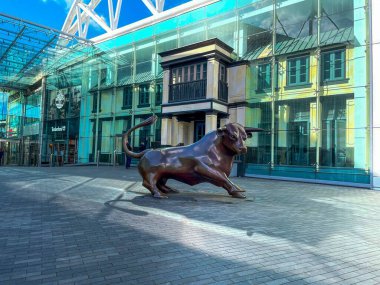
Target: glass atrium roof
x: 29, y: 51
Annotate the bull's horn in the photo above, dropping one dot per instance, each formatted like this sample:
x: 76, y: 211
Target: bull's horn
x: 252, y: 130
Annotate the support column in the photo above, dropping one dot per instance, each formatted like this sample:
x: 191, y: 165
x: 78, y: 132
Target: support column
x: 174, y: 130
x: 317, y: 128
x: 211, y: 122
x: 361, y: 149
x: 273, y: 83
x: 42, y: 119
x: 165, y: 86
x: 212, y: 79
x: 181, y: 132
x: 166, y: 134
x: 97, y: 116
x: 375, y: 75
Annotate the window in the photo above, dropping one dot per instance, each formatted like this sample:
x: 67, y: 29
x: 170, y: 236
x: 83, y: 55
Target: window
x: 95, y: 102
x: 158, y: 94
x: 198, y: 74
x: 264, y: 76
x: 144, y: 95
x: 189, y: 73
x: 179, y: 75
x: 127, y: 96
x: 333, y: 65
x: 204, y: 70
x: 174, y: 76
x: 105, y: 76
x: 222, y: 73
x: 186, y: 76
x: 298, y: 71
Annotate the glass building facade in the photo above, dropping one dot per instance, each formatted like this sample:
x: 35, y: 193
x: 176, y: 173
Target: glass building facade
x: 299, y: 69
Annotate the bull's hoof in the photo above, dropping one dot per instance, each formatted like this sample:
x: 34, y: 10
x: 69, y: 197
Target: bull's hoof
x: 238, y: 195
x: 159, y: 196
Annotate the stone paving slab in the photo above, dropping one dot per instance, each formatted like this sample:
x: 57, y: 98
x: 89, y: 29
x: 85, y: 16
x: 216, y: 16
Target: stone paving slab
x: 88, y: 225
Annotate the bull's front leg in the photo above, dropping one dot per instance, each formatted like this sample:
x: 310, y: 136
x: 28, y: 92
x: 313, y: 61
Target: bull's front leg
x: 220, y: 179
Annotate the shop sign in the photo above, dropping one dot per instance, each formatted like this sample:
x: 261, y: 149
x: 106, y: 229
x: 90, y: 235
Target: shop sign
x: 58, y: 129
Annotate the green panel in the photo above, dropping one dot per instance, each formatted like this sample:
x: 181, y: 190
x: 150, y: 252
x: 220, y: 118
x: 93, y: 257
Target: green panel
x: 296, y: 172
x: 347, y: 175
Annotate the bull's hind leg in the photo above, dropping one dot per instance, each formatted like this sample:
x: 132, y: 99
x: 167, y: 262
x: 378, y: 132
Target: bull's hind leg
x: 153, y: 184
x: 161, y: 184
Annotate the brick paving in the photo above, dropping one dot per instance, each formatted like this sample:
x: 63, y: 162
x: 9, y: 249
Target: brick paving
x: 88, y: 225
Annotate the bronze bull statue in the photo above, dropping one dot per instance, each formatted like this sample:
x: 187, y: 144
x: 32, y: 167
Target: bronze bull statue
x: 208, y: 160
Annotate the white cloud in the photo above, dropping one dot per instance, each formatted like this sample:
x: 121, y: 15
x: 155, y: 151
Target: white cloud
x: 66, y: 3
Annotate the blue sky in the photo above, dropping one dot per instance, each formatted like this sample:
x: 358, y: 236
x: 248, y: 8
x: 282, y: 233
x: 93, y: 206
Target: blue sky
x: 53, y: 13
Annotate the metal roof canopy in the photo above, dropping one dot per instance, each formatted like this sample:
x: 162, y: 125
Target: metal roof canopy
x: 29, y: 51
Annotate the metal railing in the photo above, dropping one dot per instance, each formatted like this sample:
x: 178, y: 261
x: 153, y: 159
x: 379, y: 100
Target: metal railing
x: 187, y: 91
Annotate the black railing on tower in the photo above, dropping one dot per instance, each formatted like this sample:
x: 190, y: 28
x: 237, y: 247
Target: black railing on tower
x: 187, y: 91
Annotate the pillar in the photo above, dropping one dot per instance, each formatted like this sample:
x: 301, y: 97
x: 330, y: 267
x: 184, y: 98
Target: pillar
x: 360, y: 84
x: 166, y: 134
x: 211, y: 122
x: 181, y: 132
x: 165, y: 86
x: 375, y: 38
x: 42, y: 120
x: 212, y: 79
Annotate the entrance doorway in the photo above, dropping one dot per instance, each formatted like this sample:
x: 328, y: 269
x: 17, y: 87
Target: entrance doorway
x: 199, y: 130
x: 58, y: 152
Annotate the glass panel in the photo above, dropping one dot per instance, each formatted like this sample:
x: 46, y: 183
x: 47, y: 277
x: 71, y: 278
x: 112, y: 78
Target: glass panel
x: 293, y: 134
x: 224, y: 28
x: 192, y: 34
x: 336, y: 150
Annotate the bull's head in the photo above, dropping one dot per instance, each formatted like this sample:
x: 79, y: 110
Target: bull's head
x: 234, y: 135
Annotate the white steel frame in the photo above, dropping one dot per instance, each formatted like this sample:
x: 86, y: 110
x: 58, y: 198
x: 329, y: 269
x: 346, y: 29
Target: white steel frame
x: 78, y: 18
x: 80, y: 13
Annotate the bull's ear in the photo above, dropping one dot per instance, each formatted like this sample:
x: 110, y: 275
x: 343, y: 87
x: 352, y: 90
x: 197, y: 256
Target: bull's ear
x: 221, y: 131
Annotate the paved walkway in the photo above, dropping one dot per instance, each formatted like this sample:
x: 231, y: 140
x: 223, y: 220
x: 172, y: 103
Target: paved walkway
x: 88, y: 225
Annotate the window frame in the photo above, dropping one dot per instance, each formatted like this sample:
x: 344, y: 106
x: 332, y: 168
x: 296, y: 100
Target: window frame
x: 332, y: 63
x: 127, y: 97
x: 260, y: 87
x: 158, y: 93
x: 298, y: 74
x: 144, y: 95
x: 188, y: 73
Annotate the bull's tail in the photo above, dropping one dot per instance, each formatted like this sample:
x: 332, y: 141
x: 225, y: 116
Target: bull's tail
x: 128, y: 152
